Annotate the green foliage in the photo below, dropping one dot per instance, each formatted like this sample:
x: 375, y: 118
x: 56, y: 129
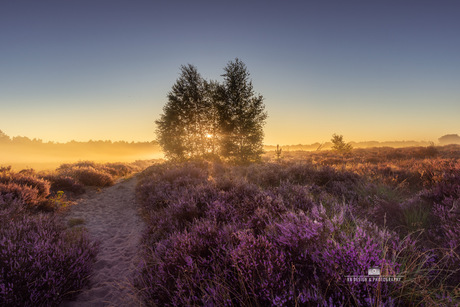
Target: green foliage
x: 416, y: 217
x: 339, y: 144
x: 58, y: 201
x: 210, y: 120
x: 241, y: 115
x: 189, y: 120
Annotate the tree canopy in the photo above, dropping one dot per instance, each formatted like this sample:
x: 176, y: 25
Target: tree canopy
x: 204, y: 119
x: 187, y: 122
x: 4, y: 137
x: 241, y: 114
x: 449, y: 139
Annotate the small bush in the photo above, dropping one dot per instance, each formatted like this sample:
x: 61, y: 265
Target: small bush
x: 41, y: 262
x: 90, y: 176
x: 93, y: 174
x: 30, y: 196
x: 40, y: 185
x: 66, y: 184
x: 118, y: 169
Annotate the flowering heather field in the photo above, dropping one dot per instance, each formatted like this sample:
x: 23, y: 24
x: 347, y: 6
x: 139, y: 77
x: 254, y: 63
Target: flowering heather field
x: 284, y: 233
x: 42, y: 261
x: 289, y: 233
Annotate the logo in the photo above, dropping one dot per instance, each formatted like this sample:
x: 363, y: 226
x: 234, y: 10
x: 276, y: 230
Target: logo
x: 373, y: 275
x: 373, y: 271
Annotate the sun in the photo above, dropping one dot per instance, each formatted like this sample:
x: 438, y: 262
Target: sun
x: 208, y: 135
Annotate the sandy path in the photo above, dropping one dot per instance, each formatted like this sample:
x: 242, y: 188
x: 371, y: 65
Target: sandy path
x: 111, y: 218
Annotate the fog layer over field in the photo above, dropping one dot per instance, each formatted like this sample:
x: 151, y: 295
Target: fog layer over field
x: 22, y: 152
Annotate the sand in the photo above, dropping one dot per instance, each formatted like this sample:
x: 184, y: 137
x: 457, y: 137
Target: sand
x: 111, y: 217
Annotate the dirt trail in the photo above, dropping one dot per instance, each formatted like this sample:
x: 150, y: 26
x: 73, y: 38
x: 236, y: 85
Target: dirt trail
x: 112, y: 218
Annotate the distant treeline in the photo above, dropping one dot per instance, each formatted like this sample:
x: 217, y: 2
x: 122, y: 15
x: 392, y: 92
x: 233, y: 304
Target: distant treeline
x: 370, y: 144
x: 22, y: 152
x: 25, y: 152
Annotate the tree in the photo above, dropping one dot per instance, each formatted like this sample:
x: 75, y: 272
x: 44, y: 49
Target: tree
x: 206, y: 119
x: 4, y: 138
x: 241, y: 115
x: 21, y: 140
x: 186, y: 128
x: 449, y: 139
x: 339, y: 144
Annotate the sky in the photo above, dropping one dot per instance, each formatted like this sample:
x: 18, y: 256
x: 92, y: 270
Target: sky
x: 102, y: 69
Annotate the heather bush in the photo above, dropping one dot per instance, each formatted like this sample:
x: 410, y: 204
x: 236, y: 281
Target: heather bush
x: 41, y: 263
x: 352, y: 254
x: 296, y: 197
x: 428, y: 281
x: 30, y: 196
x: 265, y: 175
x: 89, y: 176
x: 341, y: 183
x: 244, y: 198
x: 448, y: 213
x: 261, y: 269
x: 323, y: 250
x: 89, y: 173
x: 10, y: 207
x: 168, y: 209
x: 20, y: 179
x: 69, y: 166
x: 31, y: 191
x: 119, y: 169
x: 185, y: 268
x: 254, y: 265
x: 93, y: 177
x: 289, y: 233
x: 160, y: 184
x: 65, y: 183
x: 447, y: 187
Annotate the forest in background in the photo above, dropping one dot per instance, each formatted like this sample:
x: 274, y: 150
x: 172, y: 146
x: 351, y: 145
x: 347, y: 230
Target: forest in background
x: 369, y: 144
x: 22, y: 152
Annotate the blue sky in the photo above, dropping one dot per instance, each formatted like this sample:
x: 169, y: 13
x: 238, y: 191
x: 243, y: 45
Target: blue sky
x: 370, y: 70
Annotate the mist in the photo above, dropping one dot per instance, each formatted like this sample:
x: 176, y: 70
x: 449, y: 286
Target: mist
x: 22, y: 152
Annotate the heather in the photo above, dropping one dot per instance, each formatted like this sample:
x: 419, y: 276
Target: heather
x: 74, y: 177
x: 290, y: 232
x: 42, y: 261
x: 44, y: 191
x: 33, y: 191
x: 87, y: 173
